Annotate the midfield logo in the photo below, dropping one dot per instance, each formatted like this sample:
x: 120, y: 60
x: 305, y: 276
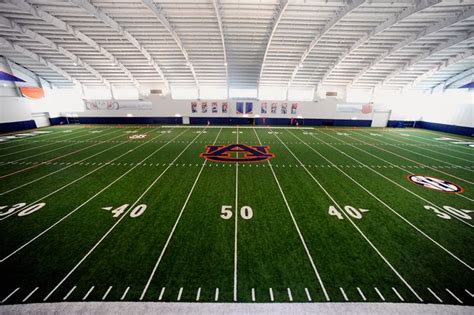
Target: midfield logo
x: 228, y: 153
x: 435, y: 183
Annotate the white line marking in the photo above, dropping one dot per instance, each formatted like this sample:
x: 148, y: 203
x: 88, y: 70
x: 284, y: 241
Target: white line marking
x: 361, y: 294
x: 296, y: 226
x: 198, y: 295
x: 124, y: 294
x: 122, y: 217
x: 9, y: 295
x: 343, y: 294
x: 307, y: 294
x: 271, y: 294
x: 467, y: 291
x: 398, y: 294
x: 390, y: 208
x: 236, y: 220
x: 106, y: 293
x: 253, y: 295
x: 290, y: 296
x: 434, y: 294
x: 180, y: 293
x: 380, y: 294
x: 83, y: 204
x: 454, y: 296
x: 87, y: 294
x: 69, y: 293
x: 216, y: 296
x: 155, y: 268
x: 62, y: 169
x: 34, y: 290
x: 161, y: 293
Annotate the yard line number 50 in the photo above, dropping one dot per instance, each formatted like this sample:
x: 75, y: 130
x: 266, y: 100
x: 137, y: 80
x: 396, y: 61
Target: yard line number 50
x: 245, y: 212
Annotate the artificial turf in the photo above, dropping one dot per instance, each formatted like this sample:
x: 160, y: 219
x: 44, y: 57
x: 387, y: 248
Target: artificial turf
x: 405, y: 248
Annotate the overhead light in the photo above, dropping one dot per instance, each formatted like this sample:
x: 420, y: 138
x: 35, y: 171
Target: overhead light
x: 300, y: 65
x: 129, y: 115
x: 4, y: 85
x: 177, y: 115
x: 188, y: 64
x: 74, y: 63
x: 225, y: 64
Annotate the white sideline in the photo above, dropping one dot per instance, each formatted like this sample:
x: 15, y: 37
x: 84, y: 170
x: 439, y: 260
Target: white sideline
x: 236, y: 214
x: 155, y: 268
x: 128, y: 308
x: 313, y: 265
x: 352, y: 222
x: 123, y: 215
x: 84, y: 203
x: 21, y: 142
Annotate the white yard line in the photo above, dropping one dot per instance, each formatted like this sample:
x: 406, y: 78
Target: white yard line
x: 448, y: 143
x: 468, y: 292
x: 55, y: 149
x: 64, y: 168
x: 29, y: 295
x: 122, y: 217
x: 385, y: 204
x: 427, y: 149
x: 21, y: 140
x: 85, y: 202
x: 416, y: 162
x: 308, y: 254
x: 395, y: 271
x: 389, y: 179
x: 236, y: 214
x: 74, y: 181
x: 434, y: 294
x: 157, y: 264
x: 9, y: 295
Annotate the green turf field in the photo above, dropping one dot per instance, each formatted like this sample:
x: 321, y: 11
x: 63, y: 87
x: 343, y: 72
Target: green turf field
x: 87, y: 214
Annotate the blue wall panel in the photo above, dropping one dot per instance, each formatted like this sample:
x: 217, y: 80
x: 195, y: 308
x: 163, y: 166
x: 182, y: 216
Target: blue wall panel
x: 17, y: 125
x: 465, y: 131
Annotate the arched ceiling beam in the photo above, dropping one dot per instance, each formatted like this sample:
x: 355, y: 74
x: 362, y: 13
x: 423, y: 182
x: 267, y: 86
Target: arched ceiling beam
x: 100, y: 15
x: 60, y: 24
x: 164, y: 20
x: 444, y: 65
x: 452, y: 42
x: 217, y: 8
x: 467, y: 75
x: 339, y: 16
x: 282, y: 6
x: 418, y: 6
x: 47, y: 42
x: 25, y: 52
x: 427, y: 31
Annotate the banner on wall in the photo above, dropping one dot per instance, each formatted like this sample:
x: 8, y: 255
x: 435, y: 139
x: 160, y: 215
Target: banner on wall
x: 194, y: 107
x: 239, y: 107
x: 284, y: 108
x: 104, y: 105
x: 32, y: 92
x: 274, y: 108
x: 225, y: 105
x: 204, y: 107
x: 355, y: 108
x: 214, y: 107
x: 263, y: 108
x: 294, y: 108
x: 249, y: 108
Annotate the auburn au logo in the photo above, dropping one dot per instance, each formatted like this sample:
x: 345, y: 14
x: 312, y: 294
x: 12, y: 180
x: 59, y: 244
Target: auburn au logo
x: 241, y: 153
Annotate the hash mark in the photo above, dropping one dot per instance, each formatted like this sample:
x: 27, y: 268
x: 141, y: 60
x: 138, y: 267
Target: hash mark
x: 161, y: 293
x: 216, y: 297
x: 343, y: 294
x: 361, y: 294
x: 271, y: 294
x: 434, y: 294
x: 457, y: 299
x: 380, y: 294
x: 106, y: 293
x: 69, y: 293
x: 253, y: 295
x: 467, y: 291
x: 290, y: 296
x: 29, y: 295
x: 198, y: 295
x: 307, y: 294
x: 9, y: 295
x: 179, y: 294
x: 88, y: 292
x: 124, y: 293
x: 398, y: 294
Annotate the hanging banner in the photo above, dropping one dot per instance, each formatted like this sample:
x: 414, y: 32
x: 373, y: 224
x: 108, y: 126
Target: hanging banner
x: 248, y: 107
x: 225, y: 105
x: 214, y: 107
x: 355, y: 108
x: 32, y: 92
x: 117, y: 105
x: 294, y: 108
x: 274, y: 108
x: 239, y: 107
x: 284, y: 107
x: 204, y: 107
x: 194, y: 106
x: 263, y: 108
